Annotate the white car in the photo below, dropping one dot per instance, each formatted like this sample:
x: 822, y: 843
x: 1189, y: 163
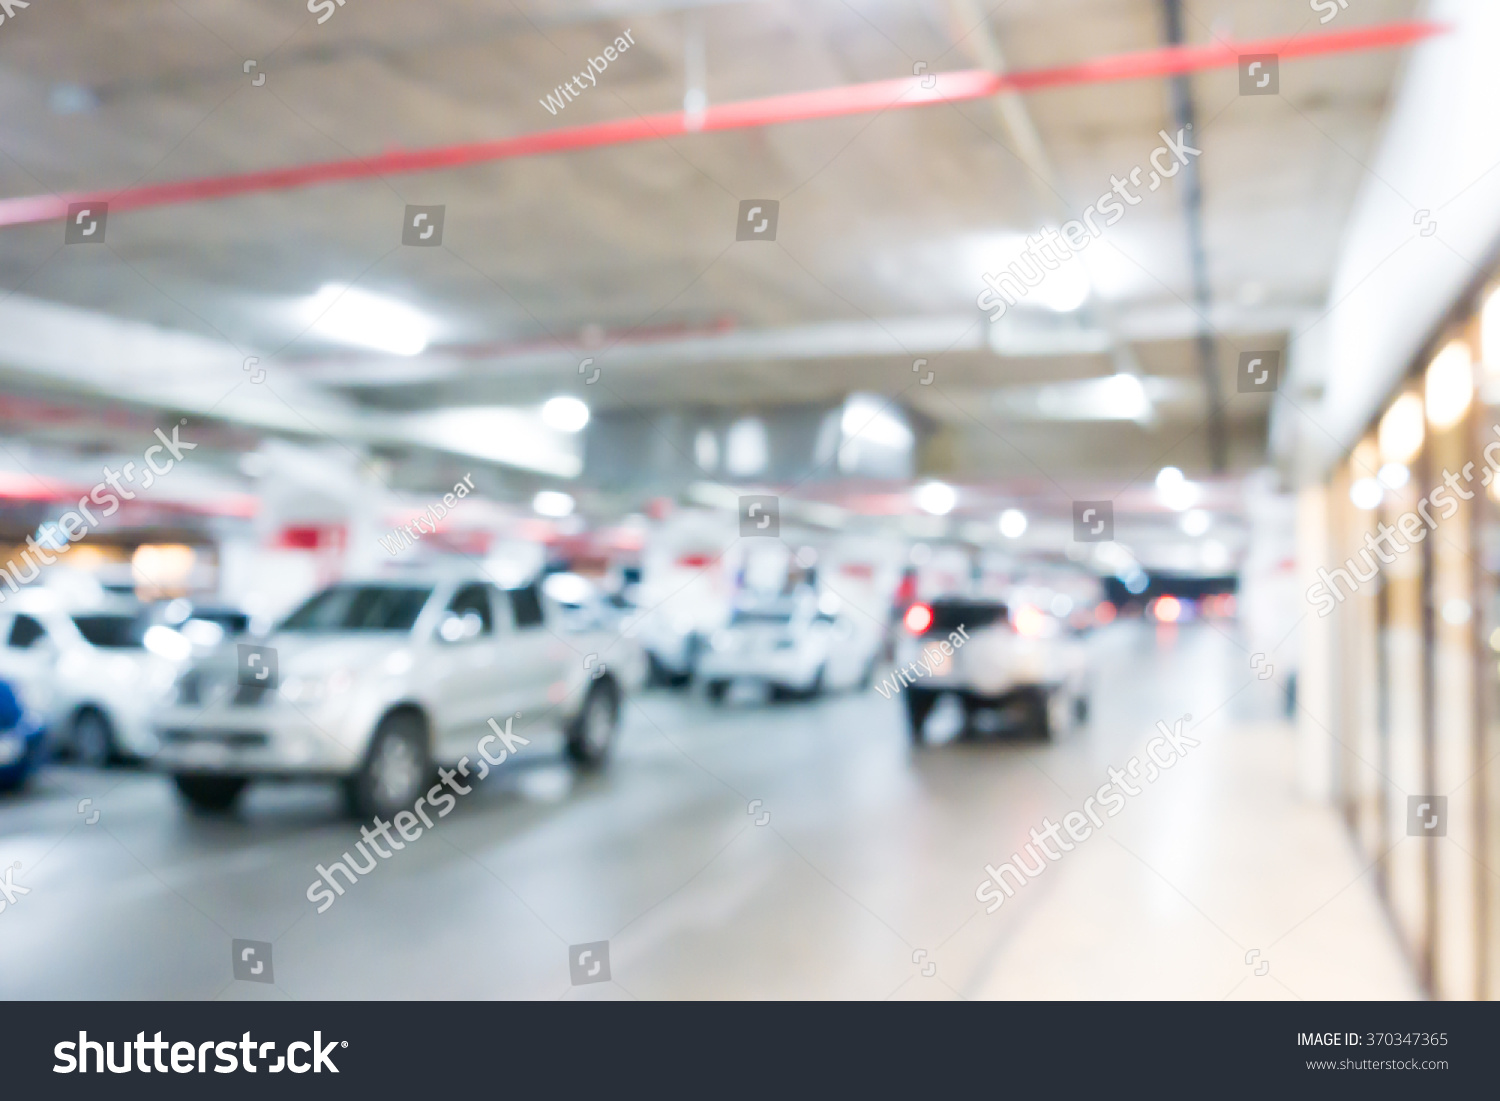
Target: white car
x: 791, y: 645
x: 93, y: 671
x: 376, y: 683
x: 1027, y: 666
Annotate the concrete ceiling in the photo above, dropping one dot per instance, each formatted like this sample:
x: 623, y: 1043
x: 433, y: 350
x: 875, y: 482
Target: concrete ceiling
x: 628, y: 254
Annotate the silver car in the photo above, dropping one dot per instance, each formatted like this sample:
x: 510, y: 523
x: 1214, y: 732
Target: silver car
x: 998, y: 663
x: 376, y: 683
x: 798, y: 646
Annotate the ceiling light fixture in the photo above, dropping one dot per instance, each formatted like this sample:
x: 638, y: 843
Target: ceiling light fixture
x: 1450, y: 385
x: 353, y: 316
x: 565, y: 414
x: 552, y: 503
x: 936, y: 498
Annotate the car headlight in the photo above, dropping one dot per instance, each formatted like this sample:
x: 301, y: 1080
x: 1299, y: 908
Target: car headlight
x: 316, y: 688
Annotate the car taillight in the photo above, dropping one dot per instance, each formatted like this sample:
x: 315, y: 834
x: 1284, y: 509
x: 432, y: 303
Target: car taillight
x: 918, y: 618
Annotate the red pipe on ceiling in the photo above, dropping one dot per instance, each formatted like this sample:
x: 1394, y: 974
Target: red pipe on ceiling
x: 853, y: 99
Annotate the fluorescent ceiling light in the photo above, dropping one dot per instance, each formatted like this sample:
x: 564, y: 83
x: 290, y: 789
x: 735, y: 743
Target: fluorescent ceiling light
x: 565, y: 414
x: 937, y: 498
x: 1012, y: 523
x: 871, y: 420
x: 1118, y: 397
x: 353, y: 316
x: 551, y: 502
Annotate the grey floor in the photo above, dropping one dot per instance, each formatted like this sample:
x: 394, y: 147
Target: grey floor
x: 751, y: 851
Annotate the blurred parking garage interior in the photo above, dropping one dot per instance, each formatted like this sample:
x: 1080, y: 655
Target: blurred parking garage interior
x: 809, y: 452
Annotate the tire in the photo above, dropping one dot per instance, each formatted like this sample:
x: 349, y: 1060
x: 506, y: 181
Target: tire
x: 397, y: 768
x: 815, y: 689
x: 592, y: 733
x: 210, y: 794
x: 919, y: 705
x: 1080, y: 709
x: 1061, y: 713
x: 92, y: 740
x: 1049, y: 714
x: 716, y: 690
x: 659, y: 676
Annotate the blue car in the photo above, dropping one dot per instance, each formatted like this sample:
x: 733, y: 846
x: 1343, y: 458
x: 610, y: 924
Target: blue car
x: 20, y: 740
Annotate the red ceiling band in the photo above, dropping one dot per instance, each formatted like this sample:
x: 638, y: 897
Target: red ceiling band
x: 853, y: 99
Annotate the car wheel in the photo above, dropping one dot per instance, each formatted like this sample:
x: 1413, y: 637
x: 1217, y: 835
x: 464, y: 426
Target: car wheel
x: 592, y: 733
x: 92, y: 740
x: 815, y: 689
x: 918, y: 706
x: 1080, y: 709
x: 716, y: 690
x: 396, y: 769
x: 210, y: 794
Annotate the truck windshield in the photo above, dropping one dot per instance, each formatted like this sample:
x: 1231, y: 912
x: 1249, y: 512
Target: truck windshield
x: 111, y: 632
x: 359, y: 608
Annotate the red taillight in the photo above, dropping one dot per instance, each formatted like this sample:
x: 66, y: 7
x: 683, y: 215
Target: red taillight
x: 918, y: 618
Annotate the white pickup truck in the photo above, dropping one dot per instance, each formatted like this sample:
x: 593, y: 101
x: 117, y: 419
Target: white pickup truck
x: 376, y: 683
x: 1027, y: 667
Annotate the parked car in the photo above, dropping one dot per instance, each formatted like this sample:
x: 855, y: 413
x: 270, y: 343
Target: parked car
x: 1027, y: 667
x: 792, y: 645
x: 21, y: 735
x: 376, y: 683
x: 88, y: 670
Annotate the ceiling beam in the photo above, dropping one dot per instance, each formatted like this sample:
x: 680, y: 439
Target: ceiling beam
x: 854, y: 99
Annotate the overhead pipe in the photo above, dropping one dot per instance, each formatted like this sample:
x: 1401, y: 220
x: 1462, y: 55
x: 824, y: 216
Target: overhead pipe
x: 855, y: 99
x: 1192, y: 202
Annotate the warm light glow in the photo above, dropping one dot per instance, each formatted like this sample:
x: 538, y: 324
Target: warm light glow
x: 1030, y: 621
x: 1105, y: 613
x: 918, y: 618
x: 1402, y: 430
x: 1168, y: 609
x: 163, y: 567
x: 1489, y: 333
x: 1450, y: 385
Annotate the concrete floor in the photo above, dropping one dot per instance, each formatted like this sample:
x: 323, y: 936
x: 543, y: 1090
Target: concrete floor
x: 753, y: 851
